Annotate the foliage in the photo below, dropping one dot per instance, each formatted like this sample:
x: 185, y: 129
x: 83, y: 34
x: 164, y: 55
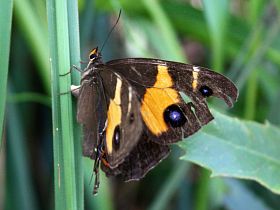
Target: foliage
x: 237, y: 38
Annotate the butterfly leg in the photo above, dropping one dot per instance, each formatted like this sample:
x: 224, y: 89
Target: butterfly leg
x: 99, y: 156
x: 72, y: 67
x: 97, y: 179
x: 96, y: 169
x: 103, y: 154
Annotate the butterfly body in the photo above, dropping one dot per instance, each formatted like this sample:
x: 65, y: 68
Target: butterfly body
x: 133, y: 109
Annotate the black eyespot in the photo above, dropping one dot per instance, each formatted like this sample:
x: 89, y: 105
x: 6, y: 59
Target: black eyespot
x: 92, y: 56
x: 117, y: 138
x: 131, y: 118
x: 205, y: 91
x: 174, y: 116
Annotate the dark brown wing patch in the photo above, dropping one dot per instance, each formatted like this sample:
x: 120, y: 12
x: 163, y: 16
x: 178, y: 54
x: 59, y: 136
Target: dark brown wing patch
x: 89, y: 111
x: 145, y: 155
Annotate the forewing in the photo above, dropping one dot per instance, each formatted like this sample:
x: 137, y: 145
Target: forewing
x: 89, y: 113
x: 158, y: 84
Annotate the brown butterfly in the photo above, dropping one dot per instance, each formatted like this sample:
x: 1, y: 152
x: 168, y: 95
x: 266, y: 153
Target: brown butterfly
x: 132, y: 110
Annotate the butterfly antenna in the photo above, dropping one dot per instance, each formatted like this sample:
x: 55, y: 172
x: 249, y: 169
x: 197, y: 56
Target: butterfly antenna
x: 112, y: 29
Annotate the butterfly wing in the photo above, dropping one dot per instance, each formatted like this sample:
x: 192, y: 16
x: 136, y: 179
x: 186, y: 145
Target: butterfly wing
x: 89, y: 111
x: 158, y: 84
x: 124, y: 126
x: 144, y: 156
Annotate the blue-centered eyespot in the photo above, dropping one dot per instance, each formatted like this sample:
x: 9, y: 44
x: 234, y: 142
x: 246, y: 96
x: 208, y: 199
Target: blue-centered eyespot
x: 174, y: 116
x: 205, y: 91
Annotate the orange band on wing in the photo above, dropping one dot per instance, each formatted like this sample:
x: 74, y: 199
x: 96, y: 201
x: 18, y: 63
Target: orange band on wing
x: 114, y: 115
x: 157, y: 99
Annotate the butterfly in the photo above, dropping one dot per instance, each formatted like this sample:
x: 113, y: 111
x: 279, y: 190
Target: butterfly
x: 132, y: 109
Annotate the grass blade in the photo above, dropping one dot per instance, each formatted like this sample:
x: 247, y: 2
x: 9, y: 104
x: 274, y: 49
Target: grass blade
x: 74, y: 46
x: 36, y: 36
x: 19, y: 181
x: 174, y: 49
x: 216, y: 13
x: 29, y: 97
x: 170, y: 186
x: 63, y: 142
x: 5, y: 31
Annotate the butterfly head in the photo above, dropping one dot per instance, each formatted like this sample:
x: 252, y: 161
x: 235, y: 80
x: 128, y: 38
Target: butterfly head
x: 95, y: 59
x: 94, y: 56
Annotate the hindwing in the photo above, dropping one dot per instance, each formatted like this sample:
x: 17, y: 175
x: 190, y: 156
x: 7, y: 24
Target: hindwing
x: 123, y: 126
x: 143, y: 157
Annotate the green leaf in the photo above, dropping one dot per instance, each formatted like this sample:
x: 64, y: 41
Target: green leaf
x: 68, y: 191
x: 5, y: 31
x: 242, y: 149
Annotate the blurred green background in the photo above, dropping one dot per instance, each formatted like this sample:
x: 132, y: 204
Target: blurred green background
x: 237, y: 38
